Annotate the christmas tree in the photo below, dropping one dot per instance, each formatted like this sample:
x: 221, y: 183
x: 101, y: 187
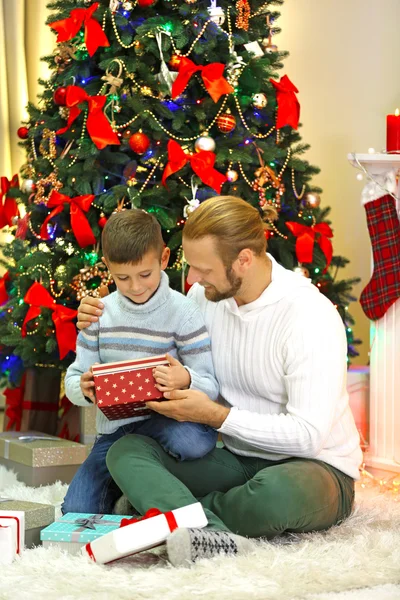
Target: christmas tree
x: 159, y: 105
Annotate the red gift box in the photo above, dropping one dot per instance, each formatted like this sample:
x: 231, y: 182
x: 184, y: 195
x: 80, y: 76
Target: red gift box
x: 123, y: 387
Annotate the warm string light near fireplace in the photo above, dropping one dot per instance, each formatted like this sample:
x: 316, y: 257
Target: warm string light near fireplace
x: 389, y: 484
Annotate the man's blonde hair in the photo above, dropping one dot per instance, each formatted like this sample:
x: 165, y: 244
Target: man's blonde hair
x: 232, y: 222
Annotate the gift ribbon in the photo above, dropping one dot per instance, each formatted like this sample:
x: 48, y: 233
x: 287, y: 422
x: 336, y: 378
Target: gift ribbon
x: 8, y: 208
x: 18, y: 529
x: 201, y: 162
x: 86, y: 523
x: 98, y: 126
x: 288, y: 105
x: 68, y: 28
x: 3, y: 290
x: 79, y: 223
x: 306, y: 238
x: 38, y: 297
x: 211, y: 74
x: 153, y: 512
x: 14, y: 398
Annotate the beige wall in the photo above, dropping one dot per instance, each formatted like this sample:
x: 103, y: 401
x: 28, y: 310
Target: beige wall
x: 345, y: 60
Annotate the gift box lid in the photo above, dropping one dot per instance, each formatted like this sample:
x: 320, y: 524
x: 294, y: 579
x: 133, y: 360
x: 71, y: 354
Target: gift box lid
x: 36, y: 515
x: 129, y: 365
x: 36, y: 449
x: 81, y: 527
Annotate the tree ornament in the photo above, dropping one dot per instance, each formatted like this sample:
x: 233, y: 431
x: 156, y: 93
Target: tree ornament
x: 23, y: 133
x: 300, y: 270
x: 127, y: 6
x: 114, y: 5
x: 42, y: 187
x: 89, y: 281
x: 191, y: 204
x: 60, y: 96
x: 139, y: 142
x: 271, y: 48
x: 175, y: 61
x: 216, y: 13
x: 260, y: 101
x: 232, y: 175
x: 50, y: 151
x: 312, y: 200
x: 243, y: 14
x: 226, y: 122
x: 165, y: 77
x: 27, y: 186
x: 204, y: 143
x: 146, y: 3
x: 102, y: 221
x: 64, y: 112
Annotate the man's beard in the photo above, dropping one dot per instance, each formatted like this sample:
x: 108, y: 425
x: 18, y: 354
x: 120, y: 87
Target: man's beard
x: 214, y: 295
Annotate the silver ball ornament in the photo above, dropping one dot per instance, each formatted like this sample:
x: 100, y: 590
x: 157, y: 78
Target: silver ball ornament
x: 260, y: 101
x: 232, y: 175
x: 217, y: 15
x: 27, y: 186
x: 312, y: 200
x: 204, y: 143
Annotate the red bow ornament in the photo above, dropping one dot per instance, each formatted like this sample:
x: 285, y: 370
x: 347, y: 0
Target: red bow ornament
x: 288, y: 105
x: 79, y: 223
x: 98, y: 126
x: 202, y: 164
x: 153, y: 512
x: 68, y: 28
x: 211, y: 74
x: 13, y: 412
x: 8, y: 206
x: 38, y: 297
x: 3, y: 290
x: 306, y: 238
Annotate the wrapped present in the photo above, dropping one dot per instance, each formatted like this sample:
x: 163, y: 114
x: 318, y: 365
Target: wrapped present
x: 122, y: 388
x: 37, y: 516
x: 88, y: 429
x: 358, y: 390
x: 12, y: 535
x: 40, y: 459
x: 136, y: 535
x: 74, y: 530
x: 41, y: 399
x: 69, y: 421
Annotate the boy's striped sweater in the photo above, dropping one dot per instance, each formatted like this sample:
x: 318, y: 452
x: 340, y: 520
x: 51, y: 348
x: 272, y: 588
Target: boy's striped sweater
x: 168, y: 322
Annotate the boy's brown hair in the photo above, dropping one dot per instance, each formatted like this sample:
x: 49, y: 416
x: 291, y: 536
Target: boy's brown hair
x: 128, y: 235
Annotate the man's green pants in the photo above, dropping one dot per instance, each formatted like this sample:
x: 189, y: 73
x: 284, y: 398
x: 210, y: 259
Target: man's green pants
x: 248, y: 496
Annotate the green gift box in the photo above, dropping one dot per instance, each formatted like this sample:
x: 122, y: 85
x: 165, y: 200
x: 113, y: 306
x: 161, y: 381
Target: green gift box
x: 37, y: 517
x: 40, y: 459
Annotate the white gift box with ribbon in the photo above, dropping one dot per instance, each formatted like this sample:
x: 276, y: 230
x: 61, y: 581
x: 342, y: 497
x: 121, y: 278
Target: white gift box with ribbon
x: 12, y: 535
x: 148, y: 532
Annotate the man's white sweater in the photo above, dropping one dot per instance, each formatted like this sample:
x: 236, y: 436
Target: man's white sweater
x: 281, y: 365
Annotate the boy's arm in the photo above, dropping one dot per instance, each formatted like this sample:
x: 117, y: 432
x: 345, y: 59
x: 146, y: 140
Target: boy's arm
x: 87, y: 353
x: 194, y: 351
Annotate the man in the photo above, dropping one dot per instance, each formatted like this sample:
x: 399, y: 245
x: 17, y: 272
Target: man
x: 279, y: 348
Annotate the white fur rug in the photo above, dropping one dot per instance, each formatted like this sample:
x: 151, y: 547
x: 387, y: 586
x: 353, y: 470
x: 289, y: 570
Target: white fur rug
x: 360, y: 560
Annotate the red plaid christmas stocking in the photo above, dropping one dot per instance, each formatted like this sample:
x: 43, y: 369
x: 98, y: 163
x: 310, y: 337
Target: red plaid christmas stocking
x: 384, y: 230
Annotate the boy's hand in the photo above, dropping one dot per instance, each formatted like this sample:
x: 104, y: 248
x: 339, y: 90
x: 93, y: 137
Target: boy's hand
x: 89, y: 310
x: 174, y: 377
x: 87, y: 385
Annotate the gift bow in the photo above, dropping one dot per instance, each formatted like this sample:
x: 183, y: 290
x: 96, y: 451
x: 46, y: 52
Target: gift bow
x: 14, y: 398
x: 79, y: 223
x: 3, y: 290
x: 306, y: 238
x: 153, y: 512
x: 68, y: 28
x: 288, y: 105
x: 38, y: 297
x: 98, y: 126
x: 89, y: 523
x: 202, y: 164
x: 211, y: 74
x: 9, y: 208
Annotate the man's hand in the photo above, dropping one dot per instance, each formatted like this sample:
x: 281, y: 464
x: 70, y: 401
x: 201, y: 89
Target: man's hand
x: 191, y: 405
x: 90, y: 309
x: 87, y: 386
x: 174, y: 377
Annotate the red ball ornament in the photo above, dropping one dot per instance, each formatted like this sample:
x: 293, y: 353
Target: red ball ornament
x: 23, y: 133
x: 226, y: 122
x: 60, y: 96
x: 175, y: 61
x: 139, y: 143
x: 102, y: 221
x: 146, y: 3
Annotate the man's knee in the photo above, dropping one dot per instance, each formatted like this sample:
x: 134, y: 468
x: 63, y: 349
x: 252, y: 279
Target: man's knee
x: 122, y: 450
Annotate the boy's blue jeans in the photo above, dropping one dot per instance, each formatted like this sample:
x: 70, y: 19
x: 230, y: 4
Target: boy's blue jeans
x: 93, y: 490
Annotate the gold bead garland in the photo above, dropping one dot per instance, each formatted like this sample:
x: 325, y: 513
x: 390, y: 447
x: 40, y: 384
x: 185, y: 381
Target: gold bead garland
x: 260, y: 136
x: 303, y: 189
x: 79, y: 285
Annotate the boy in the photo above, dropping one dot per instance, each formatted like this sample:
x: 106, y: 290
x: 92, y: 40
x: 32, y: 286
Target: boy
x: 143, y: 317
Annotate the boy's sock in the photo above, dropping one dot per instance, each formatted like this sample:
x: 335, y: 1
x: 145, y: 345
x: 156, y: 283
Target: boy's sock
x: 185, y: 546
